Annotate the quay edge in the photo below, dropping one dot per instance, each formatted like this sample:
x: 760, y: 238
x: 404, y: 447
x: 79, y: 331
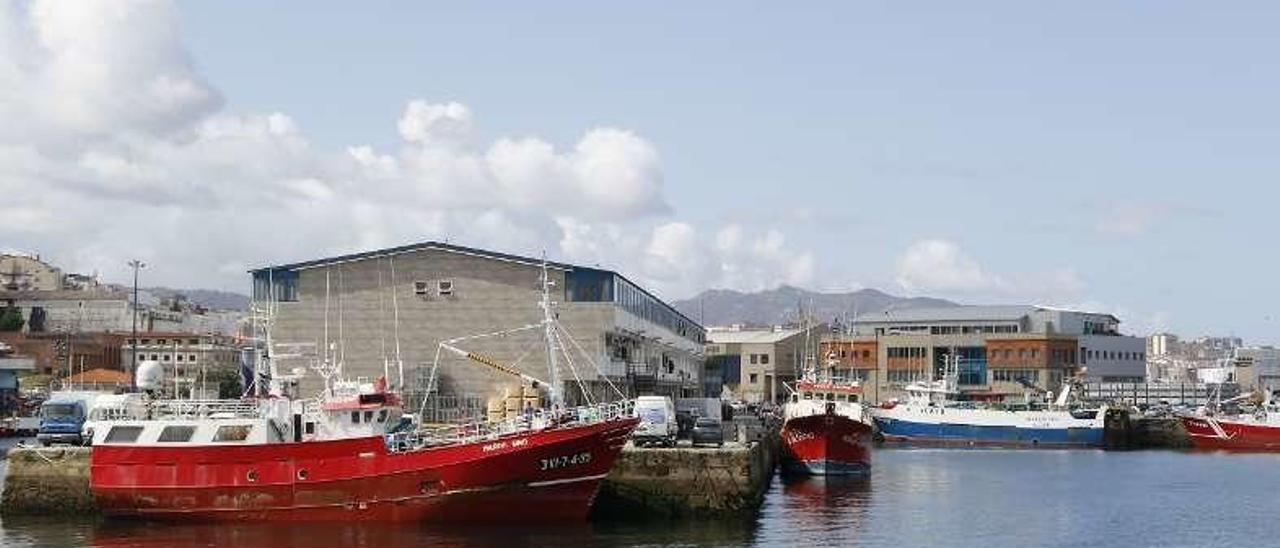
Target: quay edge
x: 48, y: 482
x: 728, y: 482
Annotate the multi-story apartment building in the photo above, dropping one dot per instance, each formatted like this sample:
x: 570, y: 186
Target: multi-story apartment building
x: 372, y: 307
x: 186, y: 353
x: 1000, y: 349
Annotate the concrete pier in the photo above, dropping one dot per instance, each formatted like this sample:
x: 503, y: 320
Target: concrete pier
x: 1127, y: 430
x: 687, y: 481
x: 47, y: 481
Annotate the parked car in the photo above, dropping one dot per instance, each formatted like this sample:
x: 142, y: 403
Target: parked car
x: 685, y: 420
x: 709, y: 431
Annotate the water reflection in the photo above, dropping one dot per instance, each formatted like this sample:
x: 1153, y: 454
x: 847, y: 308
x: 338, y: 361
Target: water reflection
x: 824, y: 510
x: 141, y: 534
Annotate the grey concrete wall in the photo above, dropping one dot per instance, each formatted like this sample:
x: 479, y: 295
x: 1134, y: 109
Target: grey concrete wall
x: 689, y: 482
x: 488, y: 295
x: 48, y: 481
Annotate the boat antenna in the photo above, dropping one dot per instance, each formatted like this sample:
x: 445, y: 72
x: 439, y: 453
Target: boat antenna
x: 548, y: 328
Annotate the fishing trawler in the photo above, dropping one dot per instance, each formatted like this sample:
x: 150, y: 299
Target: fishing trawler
x: 1211, y: 428
x: 349, y: 453
x: 825, y: 430
x: 932, y: 413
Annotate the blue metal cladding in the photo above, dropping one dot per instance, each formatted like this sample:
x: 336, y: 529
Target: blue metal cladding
x: 281, y: 285
x: 1000, y: 435
x: 589, y: 286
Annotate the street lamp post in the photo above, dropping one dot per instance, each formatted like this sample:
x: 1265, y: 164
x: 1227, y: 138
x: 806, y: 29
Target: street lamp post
x: 133, y: 359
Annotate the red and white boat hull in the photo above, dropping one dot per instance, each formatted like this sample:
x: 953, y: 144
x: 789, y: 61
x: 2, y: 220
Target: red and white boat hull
x: 546, y: 475
x: 1237, y: 434
x: 826, y: 444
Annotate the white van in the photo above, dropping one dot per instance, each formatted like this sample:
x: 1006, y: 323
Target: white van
x: 657, y: 421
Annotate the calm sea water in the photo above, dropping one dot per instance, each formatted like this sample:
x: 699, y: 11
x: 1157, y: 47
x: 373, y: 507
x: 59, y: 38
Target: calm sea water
x: 914, y: 497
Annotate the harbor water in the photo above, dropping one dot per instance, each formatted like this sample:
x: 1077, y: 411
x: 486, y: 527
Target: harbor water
x: 914, y: 497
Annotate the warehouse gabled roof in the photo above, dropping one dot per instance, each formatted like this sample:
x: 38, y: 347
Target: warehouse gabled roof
x: 750, y: 336
x: 420, y: 246
x: 463, y: 250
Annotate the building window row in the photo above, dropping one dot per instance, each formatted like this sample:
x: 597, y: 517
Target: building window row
x: 164, y: 342
x: 166, y: 357
x: 906, y: 352
x: 1115, y: 355
x: 1013, y: 375
x: 759, y: 359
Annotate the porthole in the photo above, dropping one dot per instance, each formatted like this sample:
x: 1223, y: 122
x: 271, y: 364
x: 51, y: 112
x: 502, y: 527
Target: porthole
x: 252, y: 476
x: 302, y: 475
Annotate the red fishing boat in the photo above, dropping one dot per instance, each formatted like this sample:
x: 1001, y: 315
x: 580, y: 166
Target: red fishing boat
x: 1245, y: 432
x: 350, y: 455
x: 1211, y: 427
x: 825, y: 430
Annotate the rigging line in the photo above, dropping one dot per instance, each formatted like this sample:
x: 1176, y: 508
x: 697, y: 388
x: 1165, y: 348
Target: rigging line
x: 494, y: 334
x: 325, y: 348
x: 587, y: 356
x: 573, y: 369
x: 431, y: 383
x: 382, y: 327
x: 342, y: 341
x: 395, y: 306
x: 526, y: 353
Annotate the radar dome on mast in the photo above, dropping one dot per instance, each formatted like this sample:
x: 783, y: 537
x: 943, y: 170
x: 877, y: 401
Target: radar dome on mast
x: 150, y: 376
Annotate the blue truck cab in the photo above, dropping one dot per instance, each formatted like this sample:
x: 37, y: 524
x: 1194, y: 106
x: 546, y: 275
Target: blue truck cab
x: 61, y: 419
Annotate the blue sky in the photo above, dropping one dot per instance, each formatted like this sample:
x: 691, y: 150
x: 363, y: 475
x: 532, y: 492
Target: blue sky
x: 1116, y: 156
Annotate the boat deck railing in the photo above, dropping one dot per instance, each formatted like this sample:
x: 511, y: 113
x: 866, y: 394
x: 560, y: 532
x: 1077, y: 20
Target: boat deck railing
x: 205, y: 408
x: 478, y: 431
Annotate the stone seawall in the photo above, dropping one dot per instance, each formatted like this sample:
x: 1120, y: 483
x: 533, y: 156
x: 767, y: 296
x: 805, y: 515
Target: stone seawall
x: 685, y: 481
x: 47, y: 481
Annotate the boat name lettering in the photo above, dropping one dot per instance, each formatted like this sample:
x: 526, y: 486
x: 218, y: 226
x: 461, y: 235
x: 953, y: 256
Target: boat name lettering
x: 797, y: 437
x: 565, y: 461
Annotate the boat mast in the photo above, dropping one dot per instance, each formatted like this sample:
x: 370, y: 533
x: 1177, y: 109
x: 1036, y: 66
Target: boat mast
x: 549, y: 333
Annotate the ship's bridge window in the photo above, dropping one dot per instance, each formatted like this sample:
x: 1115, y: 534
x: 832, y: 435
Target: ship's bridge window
x: 123, y: 434
x: 355, y: 417
x: 177, y: 434
x: 808, y: 396
x: 382, y: 415
x: 233, y: 432
x: 368, y: 416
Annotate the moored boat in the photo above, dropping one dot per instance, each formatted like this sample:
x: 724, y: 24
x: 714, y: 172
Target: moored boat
x: 1210, y: 428
x: 825, y: 430
x: 350, y: 454
x: 931, y: 414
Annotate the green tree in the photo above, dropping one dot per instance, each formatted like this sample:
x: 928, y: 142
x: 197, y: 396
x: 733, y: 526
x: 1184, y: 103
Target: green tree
x: 228, y: 381
x: 11, y: 319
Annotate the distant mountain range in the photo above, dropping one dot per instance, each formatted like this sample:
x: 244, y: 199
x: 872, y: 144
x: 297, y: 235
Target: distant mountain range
x: 779, y: 306
x: 712, y: 307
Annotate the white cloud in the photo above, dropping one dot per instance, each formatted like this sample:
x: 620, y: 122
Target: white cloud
x: 113, y: 147
x: 940, y: 268
x: 423, y: 122
x: 95, y: 67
